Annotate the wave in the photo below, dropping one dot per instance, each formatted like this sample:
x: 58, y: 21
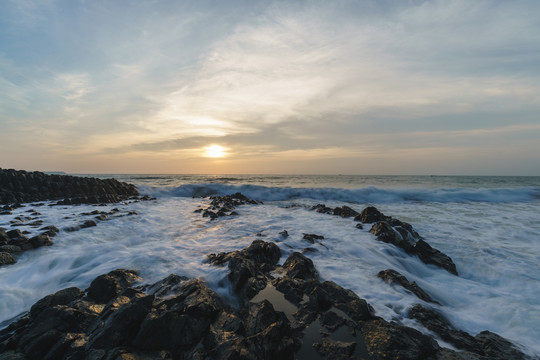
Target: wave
x: 369, y: 194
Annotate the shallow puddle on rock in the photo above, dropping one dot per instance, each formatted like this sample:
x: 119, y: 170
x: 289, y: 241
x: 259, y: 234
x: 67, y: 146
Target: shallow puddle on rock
x: 278, y: 301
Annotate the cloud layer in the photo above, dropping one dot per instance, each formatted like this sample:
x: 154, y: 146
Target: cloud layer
x: 427, y: 87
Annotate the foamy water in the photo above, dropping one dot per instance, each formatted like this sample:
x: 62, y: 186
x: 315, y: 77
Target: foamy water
x: 492, y: 234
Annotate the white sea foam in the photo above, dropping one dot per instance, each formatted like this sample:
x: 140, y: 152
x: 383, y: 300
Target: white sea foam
x: 495, y: 245
x: 370, y: 194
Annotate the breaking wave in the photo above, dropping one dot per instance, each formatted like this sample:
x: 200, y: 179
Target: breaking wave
x: 369, y: 194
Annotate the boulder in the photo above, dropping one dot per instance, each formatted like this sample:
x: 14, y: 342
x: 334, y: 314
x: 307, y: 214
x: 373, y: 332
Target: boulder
x: 41, y: 240
x: 6, y: 259
x: 437, y: 323
x: 299, y: 266
x: 105, y: 287
x: 393, y: 277
x: 370, y: 215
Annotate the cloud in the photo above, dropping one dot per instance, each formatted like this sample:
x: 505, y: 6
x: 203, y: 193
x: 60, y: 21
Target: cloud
x: 268, y: 79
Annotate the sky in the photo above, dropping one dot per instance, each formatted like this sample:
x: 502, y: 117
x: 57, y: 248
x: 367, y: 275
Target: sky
x: 438, y: 87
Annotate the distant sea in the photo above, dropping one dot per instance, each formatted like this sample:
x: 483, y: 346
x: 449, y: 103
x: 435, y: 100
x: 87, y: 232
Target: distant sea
x: 489, y: 226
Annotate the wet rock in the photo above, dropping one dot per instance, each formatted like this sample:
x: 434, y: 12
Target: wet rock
x: 224, y: 205
x: 284, y: 234
x: 14, y: 234
x: 394, y: 277
x: 166, y: 287
x: 497, y: 347
x: 105, y: 287
x: 21, y: 186
x: 323, y: 209
x: 180, y: 322
x: 345, y: 212
x: 21, y: 242
x: 386, y: 233
x: 119, y: 322
x: 299, y: 266
x: 12, y: 249
x: 359, y: 226
x: 62, y: 297
x: 40, y: 240
x: 50, y: 230
x: 370, y: 215
x: 312, y: 237
x: 405, y: 238
x: 386, y: 340
x: 87, y: 224
x: 6, y: 259
x: 437, y: 323
x: 334, y: 350
x: 433, y: 256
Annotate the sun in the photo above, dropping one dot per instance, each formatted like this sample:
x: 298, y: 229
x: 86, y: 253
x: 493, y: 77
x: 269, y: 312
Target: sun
x: 214, y: 151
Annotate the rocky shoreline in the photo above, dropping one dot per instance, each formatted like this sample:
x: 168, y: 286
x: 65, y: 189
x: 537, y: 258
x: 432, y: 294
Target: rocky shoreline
x: 275, y: 311
x: 19, y: 186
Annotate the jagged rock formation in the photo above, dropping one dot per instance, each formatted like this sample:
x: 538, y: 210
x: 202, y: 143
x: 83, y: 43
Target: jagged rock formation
x: 291, y: 316
x: 19, y: 186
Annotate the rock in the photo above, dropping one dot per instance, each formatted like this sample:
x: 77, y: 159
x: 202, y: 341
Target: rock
x: 105, y: 287
x: 433, y: 256
x: 359, y: 226
x: 404, y: 237
x: 386, y: 340
x: 62, y: 297
x: 181, y: 321
x: 23, y: 186
x: 386, y: 233
x: 299, y: 266
x: 394, y: 277
x: 6, y: 259
x: 322, y: 208
x: 40, y: 240
x: 370, y: 215
x: 12, y: 249
x: 312, y: 237
x: 334, y: 350
x: 119, y: 322
x: 497, y: 347
x: 284, y: 234
x: 22, y: 242
x: 345, y: 212
x: 437, y: 323
x: 87, y: 224
x: 50, y: 230
x: 14, y: 234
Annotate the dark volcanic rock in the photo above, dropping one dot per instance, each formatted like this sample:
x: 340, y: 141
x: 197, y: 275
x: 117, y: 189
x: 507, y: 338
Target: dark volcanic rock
x: 107, y: 286
x: 6, y: 259
x: 394, y: 277
x: 312, y: 237
x: 386, y: 340
x: 41, y: 240
x: 345, y: 212
x: 299, y: 266
x: 180, y: 318
x: 437, y: 323
x: 403, y: 236
x: 17, y: 186
x: 370, y: 215
x: 497, y: 347
x: 249, y: 267
x: 224, y: 205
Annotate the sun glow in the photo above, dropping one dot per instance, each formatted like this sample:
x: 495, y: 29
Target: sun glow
x: 214, y: 151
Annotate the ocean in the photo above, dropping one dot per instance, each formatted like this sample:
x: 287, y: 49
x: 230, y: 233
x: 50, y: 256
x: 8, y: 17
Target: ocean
x: 489, y: 226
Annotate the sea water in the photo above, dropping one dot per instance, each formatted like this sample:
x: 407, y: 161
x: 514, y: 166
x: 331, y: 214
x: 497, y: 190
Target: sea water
x: 489, y: 226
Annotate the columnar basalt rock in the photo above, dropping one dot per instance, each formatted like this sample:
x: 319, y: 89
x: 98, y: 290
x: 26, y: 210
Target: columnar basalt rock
x: 19, y: 186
